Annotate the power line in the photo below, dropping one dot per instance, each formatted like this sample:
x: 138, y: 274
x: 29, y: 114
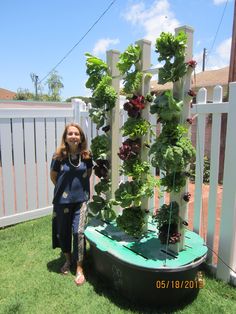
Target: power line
x: 218, y: 28
x: 69, y: 52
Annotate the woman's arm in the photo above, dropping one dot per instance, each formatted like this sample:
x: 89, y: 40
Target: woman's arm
x: 53, y: 176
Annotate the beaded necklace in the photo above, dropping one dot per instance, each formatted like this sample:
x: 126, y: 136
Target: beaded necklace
x: 75, y: 166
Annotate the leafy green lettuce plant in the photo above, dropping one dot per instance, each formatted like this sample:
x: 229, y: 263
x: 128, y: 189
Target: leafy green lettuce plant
x: 104, y: 94
x: 135, y: 168
x: 167, y: 220
x: 130, y: 194
x: 166, y: 107
x: 171, y: 51
x: 104, y: 98
x: 132, y: 221
x: 128, y: 66
x: 172, y: 150
x: 100, y: 146
x: 135, y: 128
x: 96, y: 69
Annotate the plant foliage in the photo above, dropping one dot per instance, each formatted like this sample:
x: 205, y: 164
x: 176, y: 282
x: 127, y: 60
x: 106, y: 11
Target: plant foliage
x: 96, y: 69
x: 131, y: 193
x: 167, y: 108
x: 167, y: 220
x: 135, y: 128
x: 172, y: 151
x: 104, y: 94
x: 135, y: 168
x: 171, y: 51
x: 128, y: 66
x: 167, y: 214
x: 100, y: 147
x: 131, y: 221
x: 130, y: 57
x: 104, y: 99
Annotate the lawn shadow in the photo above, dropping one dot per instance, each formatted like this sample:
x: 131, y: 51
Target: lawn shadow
x: 55, y: 265
x: 103, y: 288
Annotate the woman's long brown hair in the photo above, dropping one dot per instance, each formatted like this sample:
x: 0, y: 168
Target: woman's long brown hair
x: 62, y: 151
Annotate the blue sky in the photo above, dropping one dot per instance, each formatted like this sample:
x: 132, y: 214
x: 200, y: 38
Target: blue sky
x: 36, y: 35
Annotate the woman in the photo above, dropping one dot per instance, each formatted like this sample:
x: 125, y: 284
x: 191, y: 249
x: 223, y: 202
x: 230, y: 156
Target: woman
x: 71, y: 168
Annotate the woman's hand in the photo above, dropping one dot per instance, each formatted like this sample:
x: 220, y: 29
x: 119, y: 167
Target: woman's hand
x: 53, y: 176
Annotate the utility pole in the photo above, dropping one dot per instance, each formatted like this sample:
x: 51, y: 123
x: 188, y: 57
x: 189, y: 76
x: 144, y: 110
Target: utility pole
x: 204, y: 59
x: 232, y: 66
x: 36, y: 86
x: 35, y: 79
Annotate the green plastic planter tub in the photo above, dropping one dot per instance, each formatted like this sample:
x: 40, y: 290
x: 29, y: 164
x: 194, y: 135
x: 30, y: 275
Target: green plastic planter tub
x: 142, y: 270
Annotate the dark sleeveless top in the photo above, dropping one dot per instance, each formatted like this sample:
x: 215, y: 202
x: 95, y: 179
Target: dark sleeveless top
x: 72, y: 184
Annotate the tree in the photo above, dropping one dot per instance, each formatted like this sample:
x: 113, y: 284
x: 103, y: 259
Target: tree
x: 24, y: 94
x: 55, y: 85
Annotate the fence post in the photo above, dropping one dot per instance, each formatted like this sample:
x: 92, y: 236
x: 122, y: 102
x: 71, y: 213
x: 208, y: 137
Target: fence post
x: 145, y: 46
x: 214, y: 173
x: 114, y: 120
x: 200, y: 147
x: 180, y: 91
x: 76, y: 103
x: 227, y: 245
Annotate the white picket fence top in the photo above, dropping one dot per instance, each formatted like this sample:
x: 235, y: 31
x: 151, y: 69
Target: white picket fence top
x: 227, y: 245
x: 28, y: 138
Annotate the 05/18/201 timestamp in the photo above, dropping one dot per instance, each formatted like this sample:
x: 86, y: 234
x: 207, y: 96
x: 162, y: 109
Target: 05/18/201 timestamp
x: 178, y: 284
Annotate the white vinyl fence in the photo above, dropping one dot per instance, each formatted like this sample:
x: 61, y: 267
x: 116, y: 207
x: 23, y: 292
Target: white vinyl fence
x: 28, y: 138
x: 226, y: 265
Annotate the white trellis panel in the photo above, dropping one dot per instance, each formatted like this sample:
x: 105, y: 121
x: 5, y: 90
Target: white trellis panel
x: 123, y: 119
x: 41, y: 161
x: 162, y: 197
x: 30, y: 163
x: 19, y: 165
x: 200, y: 140
x: 152, y: 120
x: 145, y: 63
x: 7, y: 171
x: 112, y: 57
x: 93, y: 132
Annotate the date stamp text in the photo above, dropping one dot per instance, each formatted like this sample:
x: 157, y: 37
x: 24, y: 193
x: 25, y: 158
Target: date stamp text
x: 178, y: 284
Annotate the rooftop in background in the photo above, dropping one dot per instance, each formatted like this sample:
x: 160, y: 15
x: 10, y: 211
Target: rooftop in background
x: 7, y: 101
x: 21, y: 104
x: 202, y: 79
x: 6, y: 94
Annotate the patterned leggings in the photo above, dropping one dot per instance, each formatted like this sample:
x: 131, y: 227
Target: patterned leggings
x: 69, y: 219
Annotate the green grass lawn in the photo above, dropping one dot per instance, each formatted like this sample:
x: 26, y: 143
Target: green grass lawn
x: 30, y: 281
